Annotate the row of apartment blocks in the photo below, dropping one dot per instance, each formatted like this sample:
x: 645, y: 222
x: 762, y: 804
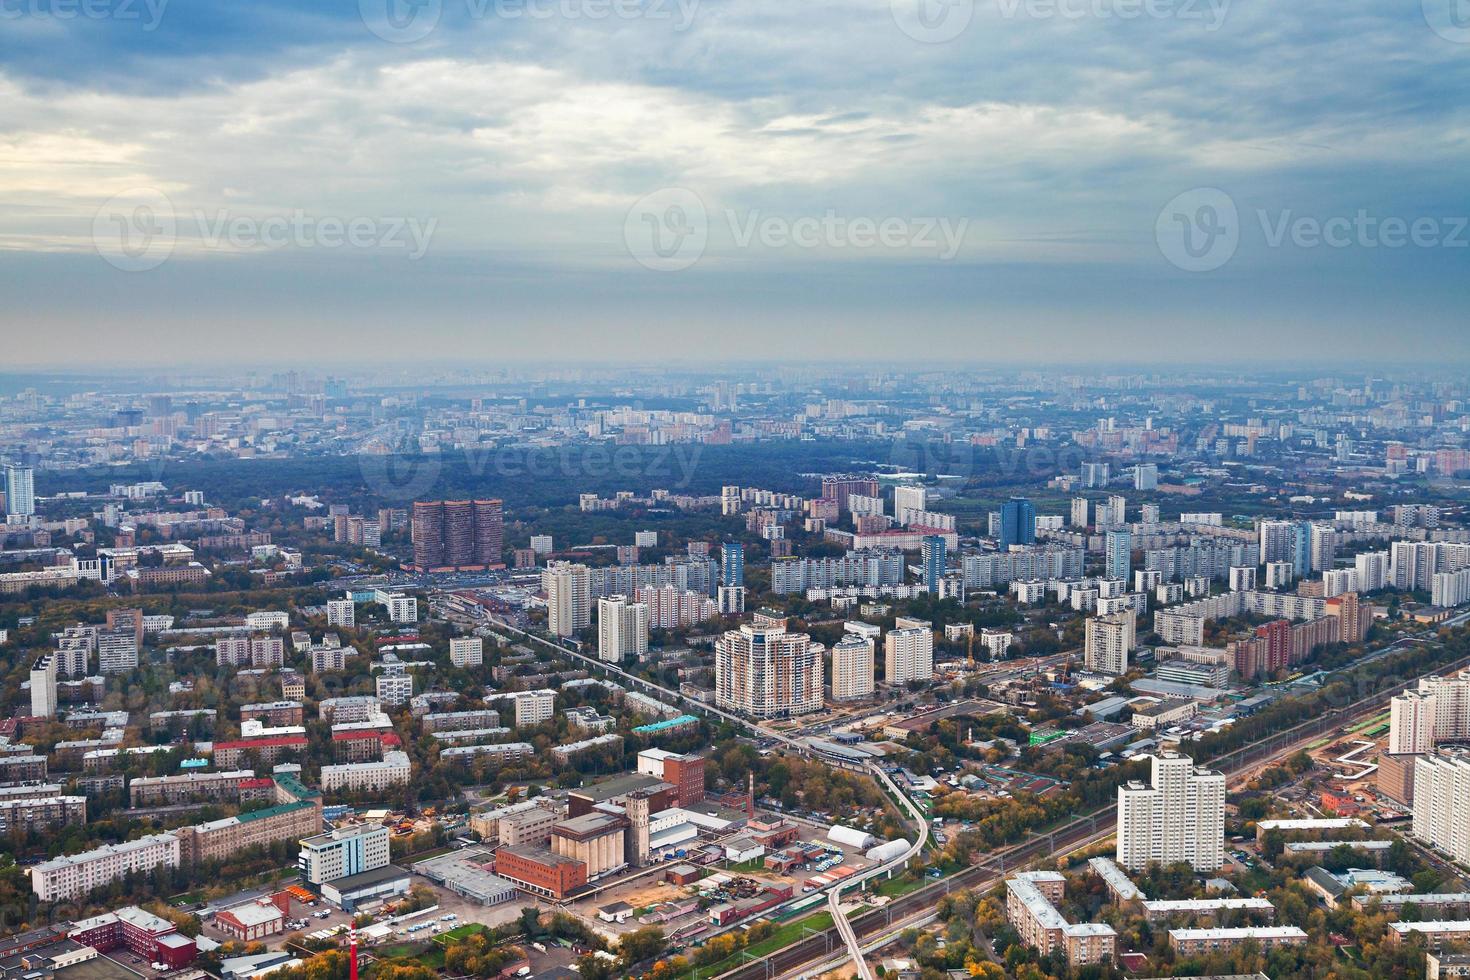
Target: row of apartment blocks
x: 297, y: 812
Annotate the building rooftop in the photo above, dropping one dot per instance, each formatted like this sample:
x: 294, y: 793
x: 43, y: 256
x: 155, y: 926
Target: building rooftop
x: 1333, y: 823
x: 1441, y: 927
x: 254, y: 913
x: 1116, y: 878
x: 592, y: 824
x: 1209, y: 905
x: 541, y: 855
x: 1241, y: 934
x: 620, y: 786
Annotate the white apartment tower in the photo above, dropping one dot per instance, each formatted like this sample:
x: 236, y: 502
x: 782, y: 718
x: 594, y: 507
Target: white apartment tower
x: 43, y: 687
x: 622, y: 629
x: 1411, y: 723
x: 568, y: 589
x: 1180, y: 816
x: 466, y: 651
x: 909, y: 499
x: 852, y: 668
x: 1109, y: 640
x: 908, y: 653
x: 1442, y: 803
x: 341, y: 612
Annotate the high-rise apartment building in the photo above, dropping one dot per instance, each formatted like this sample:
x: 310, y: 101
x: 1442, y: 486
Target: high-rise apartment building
x: 908, y: 653
x: 935, y: 558
x: 342, y: 612
x: 622, y: 629
x: 20, y: 491
x: 1017, y: 522
x: 1278, y: 540
x: 1179, y: 816
x: 1119, y: 545
x: 906, y: 499
x: 1442, y: 802
x: 117, y: 651
x: 43, y: 686
x: 763, y: 671
x: 568, y: 591
x: 466, y: 651
x: 1146, y: 476
x: 1112, y: 512
x: 1411, y: 723
x: 839, y: 488
x: 852, y: 668
x: 1109, y: 640
x: 457, y: 534
x: 732, y: 564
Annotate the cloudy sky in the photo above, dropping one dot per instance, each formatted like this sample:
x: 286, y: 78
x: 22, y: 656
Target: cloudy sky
x: 979, y: 180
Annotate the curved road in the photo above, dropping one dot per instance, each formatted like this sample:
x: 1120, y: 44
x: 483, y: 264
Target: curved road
x: 834, y: 897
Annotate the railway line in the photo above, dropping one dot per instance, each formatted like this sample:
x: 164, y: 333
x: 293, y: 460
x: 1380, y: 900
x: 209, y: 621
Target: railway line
x: 821, y: 947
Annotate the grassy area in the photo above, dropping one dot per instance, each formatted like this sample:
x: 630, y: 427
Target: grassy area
x: 901, y: 885
x: 398, y: 951
x: 460, y: 932
x: 783, y: 936
x: 747, y: 867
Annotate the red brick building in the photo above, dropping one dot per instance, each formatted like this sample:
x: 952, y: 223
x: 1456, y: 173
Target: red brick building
x: 229, y: 755
x: 539, y: 871
x: 141, y: 933
x: 686, y: 773
x: 255, y: 920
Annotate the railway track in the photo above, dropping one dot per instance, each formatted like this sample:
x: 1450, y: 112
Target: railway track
x: 822, y: 946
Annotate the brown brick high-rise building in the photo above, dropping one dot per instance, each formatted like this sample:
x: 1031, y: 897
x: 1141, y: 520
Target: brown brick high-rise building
x: 457, y: 534
x: 428, y: 534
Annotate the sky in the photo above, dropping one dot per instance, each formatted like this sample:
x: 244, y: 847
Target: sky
x: 930, y: 180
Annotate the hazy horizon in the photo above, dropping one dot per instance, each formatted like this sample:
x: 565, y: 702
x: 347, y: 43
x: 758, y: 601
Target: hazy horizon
x: 933, y: 180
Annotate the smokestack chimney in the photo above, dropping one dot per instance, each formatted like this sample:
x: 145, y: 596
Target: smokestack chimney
x: 750, y: 795
x: 353, y: 951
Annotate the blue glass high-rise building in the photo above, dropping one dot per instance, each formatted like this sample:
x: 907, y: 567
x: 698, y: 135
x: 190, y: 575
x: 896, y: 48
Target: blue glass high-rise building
x: 732, y: 564
x: 1017, y: 522
x: 936, y: 558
